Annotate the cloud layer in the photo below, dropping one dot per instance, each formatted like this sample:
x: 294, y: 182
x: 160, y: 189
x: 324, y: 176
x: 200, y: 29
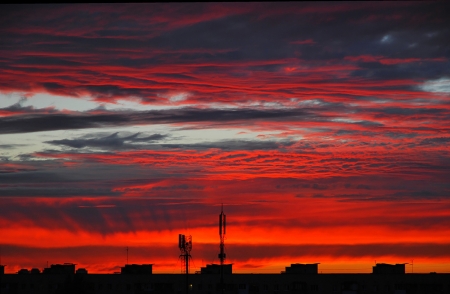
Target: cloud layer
x: 121, y: 124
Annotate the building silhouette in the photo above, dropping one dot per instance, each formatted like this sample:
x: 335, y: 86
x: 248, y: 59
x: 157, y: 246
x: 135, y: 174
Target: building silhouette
x: 297, y: 278
x: 66, y: 268
x: 216, y: 269
x: 299, y: 268
x: 145, y: 269
x: 383, y: 268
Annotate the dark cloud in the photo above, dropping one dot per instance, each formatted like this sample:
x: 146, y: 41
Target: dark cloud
x: 151, y: 142
x: 29, y: 176
x: 18, y: 108
x: 115, y: 214
x: 320, y: 187
x: 52, y: 122
x: 425, y: 70
x: 233, y: 145
x: 113, y: 141
x: 81, y: 215
x: 360, y: 250
x: 11, y: 146
x: 435, y: 141
x: 403, y: 111
x: 58, y: 191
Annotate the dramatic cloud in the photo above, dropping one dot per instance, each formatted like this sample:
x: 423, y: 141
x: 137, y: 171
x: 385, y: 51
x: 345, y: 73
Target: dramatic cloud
x: 60, y: 121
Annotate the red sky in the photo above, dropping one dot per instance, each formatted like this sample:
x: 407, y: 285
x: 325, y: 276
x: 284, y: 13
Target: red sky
x: 322, y: 128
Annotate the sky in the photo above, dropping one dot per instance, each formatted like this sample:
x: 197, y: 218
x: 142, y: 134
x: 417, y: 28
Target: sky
x: 323, y: 128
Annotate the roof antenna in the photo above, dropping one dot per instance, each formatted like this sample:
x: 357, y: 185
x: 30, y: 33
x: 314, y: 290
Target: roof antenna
x: 222, y: 255
x: 185, y: 246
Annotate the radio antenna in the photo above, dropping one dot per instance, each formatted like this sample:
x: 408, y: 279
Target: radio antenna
x: 222, y: 255
x: 185, y: 246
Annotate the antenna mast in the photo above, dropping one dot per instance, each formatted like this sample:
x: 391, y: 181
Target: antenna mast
x: 222, y: 255
x: 185, y: 246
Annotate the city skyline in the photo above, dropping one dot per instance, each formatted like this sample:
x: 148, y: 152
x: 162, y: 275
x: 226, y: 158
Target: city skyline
x: 323, y: 128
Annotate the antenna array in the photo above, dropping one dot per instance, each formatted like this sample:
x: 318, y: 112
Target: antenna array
x: 185, y: 246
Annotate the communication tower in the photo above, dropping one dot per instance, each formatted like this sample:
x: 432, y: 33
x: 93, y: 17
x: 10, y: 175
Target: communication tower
x: 185, y: 246
x: 222, y: 255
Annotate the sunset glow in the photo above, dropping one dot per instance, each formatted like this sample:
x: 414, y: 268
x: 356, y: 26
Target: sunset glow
x: 324, y: 129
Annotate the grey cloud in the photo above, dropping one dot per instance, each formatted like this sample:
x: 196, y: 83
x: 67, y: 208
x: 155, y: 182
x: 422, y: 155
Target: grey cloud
x: 11, y: 146
x: 320, y: 186
x: 414, y: 70
x: 59, y: 192
x: 113, y: 141
x: 27, y: 176
x: 318, y: 195
x: 178, y: 187
x: 51, y: 122
x: 435, y: 141
x: 409, y: 111
x: 234, y: 145
x: 18, y: 108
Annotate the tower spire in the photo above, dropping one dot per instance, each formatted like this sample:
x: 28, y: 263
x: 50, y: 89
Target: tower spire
x: 222, y: 255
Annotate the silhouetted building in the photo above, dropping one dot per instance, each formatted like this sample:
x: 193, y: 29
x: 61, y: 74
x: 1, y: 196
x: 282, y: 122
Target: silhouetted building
x: 353, y: 287
x: 215, y: 269
x: 2, y: 269
x: 300, y: 268
x: 81, y: 271
x: 66, y: 268
x: 234, y: 284
x: 23, y: 271
x: 137, y: 269
x: 384, y: 268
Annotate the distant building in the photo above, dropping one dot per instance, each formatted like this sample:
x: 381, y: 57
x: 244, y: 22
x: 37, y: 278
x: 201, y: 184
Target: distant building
x: 234, y: 284
x: 137, y: 269
x: 215, y: 269
x: 300, y: 268
x: 66, y: 268
x: 23, y: 271
x: 2, y: 269
x: 384, y: 268
x: 81, y: 271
